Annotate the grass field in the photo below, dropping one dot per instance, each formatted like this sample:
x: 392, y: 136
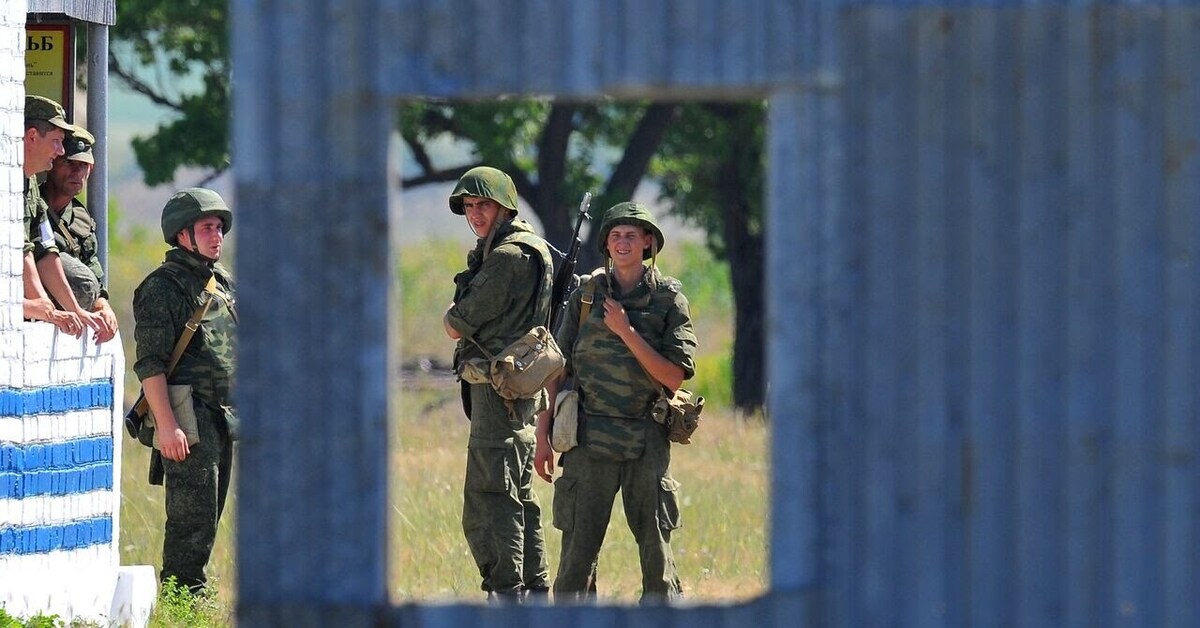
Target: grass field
x: 720, y: 551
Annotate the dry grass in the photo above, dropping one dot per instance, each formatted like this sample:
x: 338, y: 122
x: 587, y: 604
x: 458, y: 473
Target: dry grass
x: 720, y: 551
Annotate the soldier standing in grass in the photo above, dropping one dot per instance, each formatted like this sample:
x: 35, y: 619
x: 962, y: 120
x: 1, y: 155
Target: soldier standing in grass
x: 197, y: 465
x: 504, y: 292
x: 621, y: 353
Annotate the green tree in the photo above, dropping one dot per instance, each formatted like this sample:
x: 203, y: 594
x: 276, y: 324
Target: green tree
x: 176, y: 54
x: 711, y: 169
x: 707, y: 157
x: 555, y: 151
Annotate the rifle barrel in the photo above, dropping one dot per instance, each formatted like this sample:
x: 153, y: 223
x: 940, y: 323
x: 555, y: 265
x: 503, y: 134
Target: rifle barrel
x: 566, y: 271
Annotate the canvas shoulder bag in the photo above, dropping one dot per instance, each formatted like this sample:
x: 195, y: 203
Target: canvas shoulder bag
x: 135, y: 420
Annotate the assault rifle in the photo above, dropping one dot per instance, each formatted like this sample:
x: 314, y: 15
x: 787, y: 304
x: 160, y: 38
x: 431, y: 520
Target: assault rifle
x: 565, y: 279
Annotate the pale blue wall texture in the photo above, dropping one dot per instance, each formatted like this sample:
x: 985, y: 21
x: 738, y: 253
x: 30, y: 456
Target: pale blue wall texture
x: 982, y: 302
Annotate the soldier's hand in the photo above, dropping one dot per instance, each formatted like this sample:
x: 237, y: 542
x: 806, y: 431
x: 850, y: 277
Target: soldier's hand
x: 105, y: 312
x: 94, y: 321
x: 450, y: 330
x: 543, y: 459
x: 66, y: 322
x: 615, y: 318
x: 173, y: 444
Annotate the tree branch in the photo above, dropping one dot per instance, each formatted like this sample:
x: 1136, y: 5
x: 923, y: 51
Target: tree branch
x: 211, y: 176
x: 139, y: 86
x: 642, y: 146
x: 418, y: 150
x: 437, y: 176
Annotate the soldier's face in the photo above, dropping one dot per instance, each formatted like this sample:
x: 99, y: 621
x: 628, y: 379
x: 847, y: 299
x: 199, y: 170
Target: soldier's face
x: 69, y: 176
x: 627, y: 243
x: 209, y: 238
x: 481, y: 213
x: 40, y: 150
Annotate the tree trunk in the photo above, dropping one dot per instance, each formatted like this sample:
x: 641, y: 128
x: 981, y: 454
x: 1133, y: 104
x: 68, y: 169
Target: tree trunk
x: 642, y: 146
x: 746, y: 274
x: 546, y: 201
x: 744, y: 252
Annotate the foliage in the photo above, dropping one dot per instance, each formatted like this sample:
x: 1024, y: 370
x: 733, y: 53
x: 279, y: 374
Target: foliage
x: 424, y: 275
x: 707, y: 157
x: 178, y: 608
x: 713, y: 380
x: 176, y: 53
x: 555, y: 150
x: 711, y: 167
x: 42, y: 620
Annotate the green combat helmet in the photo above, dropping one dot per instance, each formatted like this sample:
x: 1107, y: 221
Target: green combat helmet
x: 485, y: 182
x: 634, y: 214
x: 189, y: 205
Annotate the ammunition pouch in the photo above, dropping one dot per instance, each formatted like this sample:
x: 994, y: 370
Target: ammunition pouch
x: 520, y: 370
x: 680, y: 413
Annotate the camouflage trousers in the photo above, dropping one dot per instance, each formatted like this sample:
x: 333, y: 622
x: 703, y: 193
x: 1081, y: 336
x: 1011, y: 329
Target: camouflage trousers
x: 592, y: 474
x: 195, y: 498
x: 502, y: 519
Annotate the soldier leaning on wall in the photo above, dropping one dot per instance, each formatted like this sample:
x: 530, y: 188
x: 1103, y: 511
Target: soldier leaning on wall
x: 74, y: 229
x: 192, y: 410
x: 45, y: 129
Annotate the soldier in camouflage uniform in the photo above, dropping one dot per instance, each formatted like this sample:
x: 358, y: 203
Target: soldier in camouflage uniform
x: 504, y: 292
x: 74, y: 229
x: 197, y: 474
x: 45, y: 129
x: 635, y: 341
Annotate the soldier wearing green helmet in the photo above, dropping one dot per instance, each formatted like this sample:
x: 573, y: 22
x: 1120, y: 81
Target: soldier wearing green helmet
x: 502, y: 294
x: 191, y: 408
x: 627, y: 336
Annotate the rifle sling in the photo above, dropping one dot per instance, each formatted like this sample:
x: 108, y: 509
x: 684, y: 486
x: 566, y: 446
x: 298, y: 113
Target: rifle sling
x: 189, y: 330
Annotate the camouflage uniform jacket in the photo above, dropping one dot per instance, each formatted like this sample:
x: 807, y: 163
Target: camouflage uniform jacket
x: 163, y: 303
x: 609, y: 378
x: 75, y: 234
x: 39, y: 237
x: 503, y: 294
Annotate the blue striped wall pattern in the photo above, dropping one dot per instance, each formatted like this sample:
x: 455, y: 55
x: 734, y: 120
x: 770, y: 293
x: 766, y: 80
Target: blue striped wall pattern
x: 59, y: 464
x: 982, y: 304
x: 60, y: 444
